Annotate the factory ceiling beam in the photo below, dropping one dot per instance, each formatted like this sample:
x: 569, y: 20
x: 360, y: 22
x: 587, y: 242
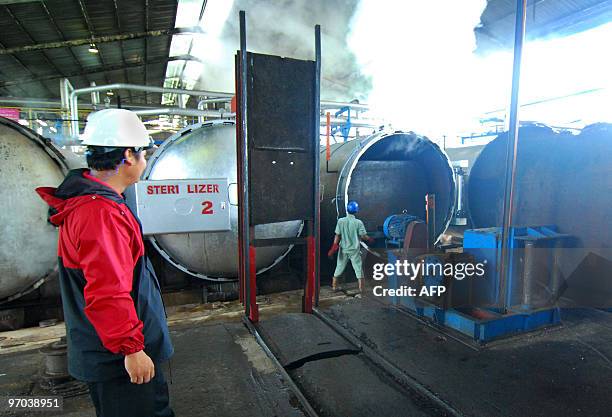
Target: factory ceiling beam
x: 168, y: 47
x: 96, y: 40
x: 26, y: 69
x: 63, y: 38
x: 91, y: 30
x: 125, y: 71
x: 17, y: 22
x: 146, y: 49
x: 180, y: 80
x: 108, y: 68
x: 7, y: 2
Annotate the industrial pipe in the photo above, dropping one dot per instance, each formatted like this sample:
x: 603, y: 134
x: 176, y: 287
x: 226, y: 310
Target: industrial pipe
x: 74, y: 96
x: 335, y: 121
x: 177, y: 111
x: 339, y: 105
x: 37, y: 103
x: 215, y: 96
x: 511, y: 153
x: 202, y: 102
x: 324, y: 105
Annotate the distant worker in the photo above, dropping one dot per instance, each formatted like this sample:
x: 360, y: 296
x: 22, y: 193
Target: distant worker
x: 349, y: 232
x: 115, y: 320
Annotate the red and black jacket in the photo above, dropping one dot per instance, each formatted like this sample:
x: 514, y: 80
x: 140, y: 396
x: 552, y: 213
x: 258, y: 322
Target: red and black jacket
x: 110, y: 294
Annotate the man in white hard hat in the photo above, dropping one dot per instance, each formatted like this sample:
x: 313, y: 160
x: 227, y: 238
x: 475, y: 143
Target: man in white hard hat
x: 115, y: 319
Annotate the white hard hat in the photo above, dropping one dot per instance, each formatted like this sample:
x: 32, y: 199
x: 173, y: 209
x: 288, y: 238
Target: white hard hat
x: 117, y: 128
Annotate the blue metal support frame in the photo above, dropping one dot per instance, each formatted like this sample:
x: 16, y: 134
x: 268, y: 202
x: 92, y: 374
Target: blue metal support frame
x: 487, y: 321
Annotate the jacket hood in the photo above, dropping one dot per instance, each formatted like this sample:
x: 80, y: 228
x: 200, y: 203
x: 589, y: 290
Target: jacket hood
x: 65, y: 198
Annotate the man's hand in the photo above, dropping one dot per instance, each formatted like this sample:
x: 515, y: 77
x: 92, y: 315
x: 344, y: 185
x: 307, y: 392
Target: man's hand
x: 333, y: 250
x: 140, y: 367
x: 368, y: 239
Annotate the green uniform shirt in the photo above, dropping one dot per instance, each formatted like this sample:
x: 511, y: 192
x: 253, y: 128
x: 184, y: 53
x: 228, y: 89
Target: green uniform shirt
x: 350, y: 230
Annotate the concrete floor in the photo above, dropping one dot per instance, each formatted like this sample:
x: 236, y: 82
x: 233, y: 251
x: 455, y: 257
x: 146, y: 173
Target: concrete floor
x: 220, y: 370
x: 560, y: 371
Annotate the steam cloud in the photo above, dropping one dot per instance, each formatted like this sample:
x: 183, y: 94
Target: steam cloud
x: 286, y: 28
x: 414, y: 62
x: 419, y: 55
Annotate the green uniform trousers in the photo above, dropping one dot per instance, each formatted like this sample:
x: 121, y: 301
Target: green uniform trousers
x: 344, y: 258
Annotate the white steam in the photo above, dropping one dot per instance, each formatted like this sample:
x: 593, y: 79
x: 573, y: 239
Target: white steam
x: 413, y: 62
x: 284, y: 28
x: 419, y: 55
x: 426, y: 77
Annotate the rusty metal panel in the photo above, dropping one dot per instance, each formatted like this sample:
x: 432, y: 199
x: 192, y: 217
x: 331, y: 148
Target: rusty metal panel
x: 281, y: 143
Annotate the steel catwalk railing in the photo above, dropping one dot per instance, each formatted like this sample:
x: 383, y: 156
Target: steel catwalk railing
x: 72, y: 96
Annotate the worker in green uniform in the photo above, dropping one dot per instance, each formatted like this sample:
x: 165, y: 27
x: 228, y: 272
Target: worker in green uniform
x: 349, y: 232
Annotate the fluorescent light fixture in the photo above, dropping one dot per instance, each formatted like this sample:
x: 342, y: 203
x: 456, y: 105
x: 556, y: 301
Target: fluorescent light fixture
x: 54, y: 130
x: 41, y: 122
x: 110, y: 93
x: 93, y: 48
x: 23, y: 122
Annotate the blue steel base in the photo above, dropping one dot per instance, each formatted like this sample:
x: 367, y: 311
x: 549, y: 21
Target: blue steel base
x: 484, y: 325
x: 480, y: 323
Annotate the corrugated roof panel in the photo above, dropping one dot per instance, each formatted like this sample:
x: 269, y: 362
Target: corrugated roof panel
x: 543, y: 16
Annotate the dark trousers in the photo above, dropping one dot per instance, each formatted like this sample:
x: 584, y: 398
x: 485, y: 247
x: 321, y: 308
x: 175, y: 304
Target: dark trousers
x: 120, y: 398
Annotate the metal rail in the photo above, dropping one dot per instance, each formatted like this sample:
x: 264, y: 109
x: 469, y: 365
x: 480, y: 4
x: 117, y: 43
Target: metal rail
x: 392, y: 370
x: 310, y: 411
x: 179, y: 111
x: 407, y: 381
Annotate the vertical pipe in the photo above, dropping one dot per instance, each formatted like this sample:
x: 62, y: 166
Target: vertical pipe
x: 310, y: 289
x: 327, y: 136
x: 74, y: 115
x: 65, y: 89
x: 430, y: 212
x: 528, y: 272
x: 244, y: 206
x: 200, y: 107
x: 511, y: 155
x: 95, y: 97
x: 459, y: 181
x: 252, y: 279
x: 316, y: 241
x: 556, y: 281
x: 237, y: 84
